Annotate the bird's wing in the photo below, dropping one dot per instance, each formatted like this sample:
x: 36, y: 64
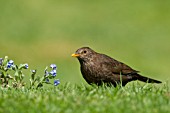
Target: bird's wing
x: 116, y: 66
x: 123, y: 69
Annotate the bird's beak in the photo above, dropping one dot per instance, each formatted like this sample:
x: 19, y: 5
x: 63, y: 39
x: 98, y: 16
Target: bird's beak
x: 75, y: 55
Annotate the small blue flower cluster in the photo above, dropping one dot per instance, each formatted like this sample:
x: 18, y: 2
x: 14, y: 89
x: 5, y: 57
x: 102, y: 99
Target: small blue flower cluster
x: 10, y: 64
x: 26, y: 66
x: 56, y: 82
x: 54, y: 70
x: 18, y: 76
x: 52, y: 74
x: 16, y: 80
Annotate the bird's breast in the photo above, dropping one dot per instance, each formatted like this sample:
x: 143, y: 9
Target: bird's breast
x: 89, y: 72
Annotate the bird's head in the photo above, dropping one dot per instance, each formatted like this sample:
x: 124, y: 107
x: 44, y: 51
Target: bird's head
x: 83, y: 54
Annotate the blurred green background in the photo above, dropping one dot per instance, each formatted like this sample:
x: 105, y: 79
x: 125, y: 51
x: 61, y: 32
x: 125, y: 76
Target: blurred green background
x: 41, y: 32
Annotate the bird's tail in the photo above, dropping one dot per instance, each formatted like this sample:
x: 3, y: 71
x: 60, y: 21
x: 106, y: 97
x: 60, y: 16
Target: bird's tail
x: 146, y: 79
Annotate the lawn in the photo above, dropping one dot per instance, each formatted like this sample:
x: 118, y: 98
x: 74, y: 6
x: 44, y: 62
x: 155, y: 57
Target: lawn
x: 69, y: 98
x: 44, y: 32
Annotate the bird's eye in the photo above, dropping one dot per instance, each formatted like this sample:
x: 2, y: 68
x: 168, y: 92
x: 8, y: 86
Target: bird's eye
x: 84, y: 51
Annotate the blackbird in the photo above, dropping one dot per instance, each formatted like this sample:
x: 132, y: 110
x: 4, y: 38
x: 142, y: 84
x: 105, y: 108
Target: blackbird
x: 98, y: 68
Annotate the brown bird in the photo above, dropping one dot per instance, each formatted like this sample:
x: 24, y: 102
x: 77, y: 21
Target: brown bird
x: 99, y: 68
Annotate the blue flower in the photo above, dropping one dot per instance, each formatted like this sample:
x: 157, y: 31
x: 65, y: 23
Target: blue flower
x: 53, y: 66
x: 56, y: 82
x: 10, y: 63
x: 26, y: 66
x: 53, y: 73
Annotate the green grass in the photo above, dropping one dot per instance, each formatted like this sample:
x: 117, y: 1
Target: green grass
x: 69, y: 98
